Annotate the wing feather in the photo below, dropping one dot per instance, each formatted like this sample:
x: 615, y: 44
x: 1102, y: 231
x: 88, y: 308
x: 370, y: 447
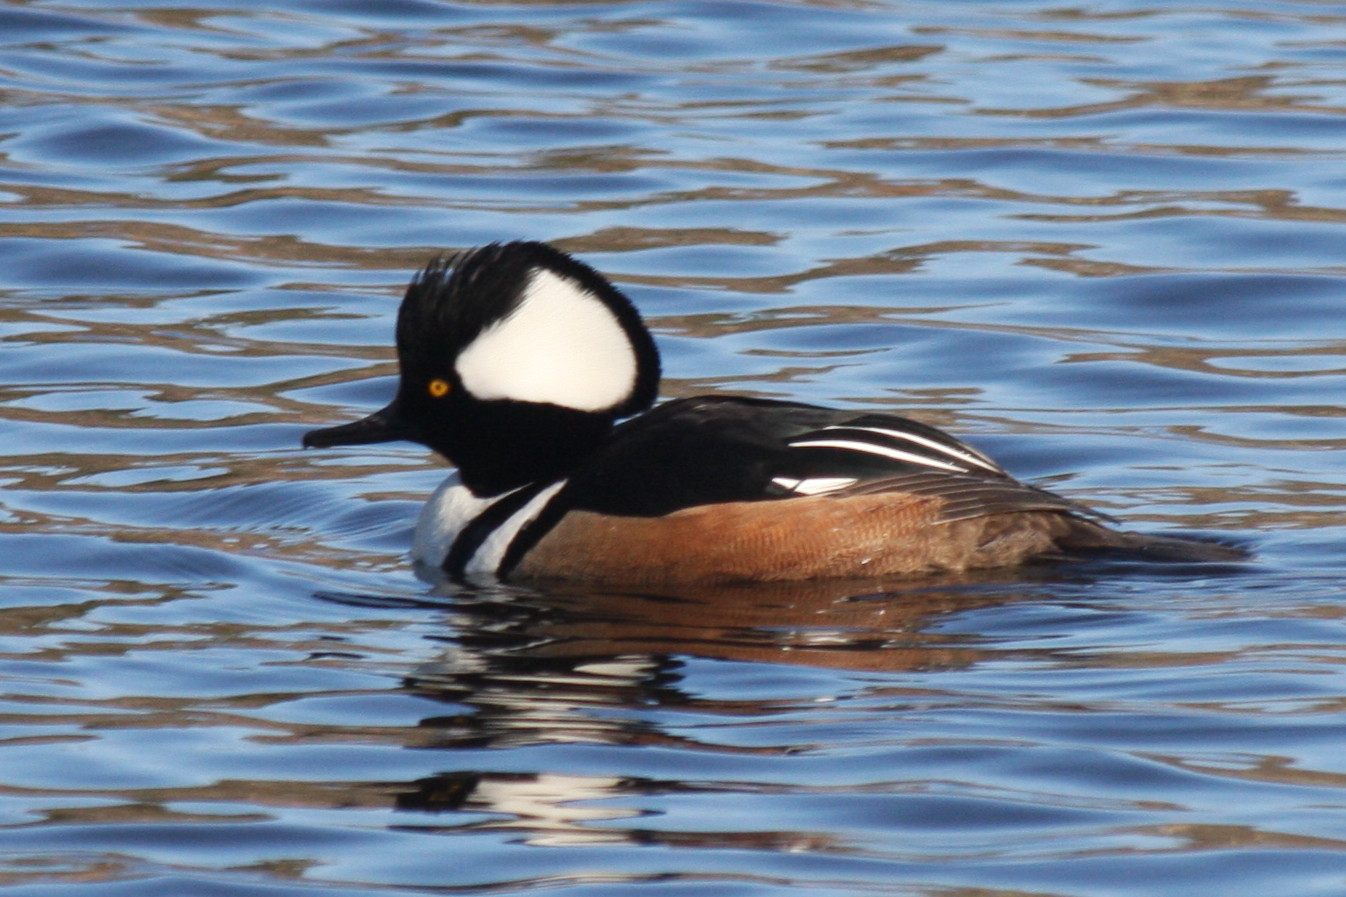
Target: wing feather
x: 968, y: 497
x: 708, y: 450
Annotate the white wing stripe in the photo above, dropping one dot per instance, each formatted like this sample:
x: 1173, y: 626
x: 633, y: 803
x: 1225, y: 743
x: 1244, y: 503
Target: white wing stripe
x: 814, y: 485
x: 952, y: 451
x: 882, y: 451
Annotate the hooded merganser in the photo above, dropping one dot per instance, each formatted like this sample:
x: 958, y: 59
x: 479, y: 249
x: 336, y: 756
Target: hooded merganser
x: 518, y: 361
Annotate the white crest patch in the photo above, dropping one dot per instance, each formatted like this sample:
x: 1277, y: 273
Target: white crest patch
x: 561, y: 346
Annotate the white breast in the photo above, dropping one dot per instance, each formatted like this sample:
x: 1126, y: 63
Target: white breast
x: 450, y: 508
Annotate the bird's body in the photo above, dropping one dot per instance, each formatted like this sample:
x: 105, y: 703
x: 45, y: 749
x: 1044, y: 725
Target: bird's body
x: 529, y: 372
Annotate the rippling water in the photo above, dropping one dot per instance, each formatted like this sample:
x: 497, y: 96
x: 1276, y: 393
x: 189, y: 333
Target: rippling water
x: 1104, y: 242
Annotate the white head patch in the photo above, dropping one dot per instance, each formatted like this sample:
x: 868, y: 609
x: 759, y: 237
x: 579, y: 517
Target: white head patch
x: 562, y: 346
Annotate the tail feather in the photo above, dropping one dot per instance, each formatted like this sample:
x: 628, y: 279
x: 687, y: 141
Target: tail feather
x: 1093, y: 539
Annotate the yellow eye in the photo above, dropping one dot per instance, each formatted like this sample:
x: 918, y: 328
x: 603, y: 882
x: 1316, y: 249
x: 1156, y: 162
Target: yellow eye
x: 438, y: 388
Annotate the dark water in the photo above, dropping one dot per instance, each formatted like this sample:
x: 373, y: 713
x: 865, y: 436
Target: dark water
x: 1105, y: 242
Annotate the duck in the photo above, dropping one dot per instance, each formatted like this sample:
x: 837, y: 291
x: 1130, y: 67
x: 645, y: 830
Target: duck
x: 537, y: 380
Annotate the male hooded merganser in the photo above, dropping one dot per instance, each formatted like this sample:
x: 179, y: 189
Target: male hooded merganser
x: 518, y: 361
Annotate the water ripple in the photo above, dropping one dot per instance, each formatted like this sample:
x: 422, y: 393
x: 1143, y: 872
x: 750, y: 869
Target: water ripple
x: 1104, y: 243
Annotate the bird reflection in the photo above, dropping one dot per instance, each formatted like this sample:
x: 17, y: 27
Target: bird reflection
x: 528, y: 667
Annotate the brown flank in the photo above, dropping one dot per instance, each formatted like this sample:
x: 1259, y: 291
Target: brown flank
x: 815, y: 537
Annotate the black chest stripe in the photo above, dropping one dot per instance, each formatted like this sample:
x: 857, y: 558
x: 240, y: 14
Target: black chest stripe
x: 475, y: 534
x: 532, y: 533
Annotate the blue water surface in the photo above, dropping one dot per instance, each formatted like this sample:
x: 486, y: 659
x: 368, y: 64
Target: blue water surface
x: 1104, y: 242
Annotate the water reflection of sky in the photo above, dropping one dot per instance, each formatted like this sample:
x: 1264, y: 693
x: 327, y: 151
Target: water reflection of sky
x: 1103, y: 243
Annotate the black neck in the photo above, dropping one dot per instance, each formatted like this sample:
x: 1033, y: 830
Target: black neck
x: 511, y: 444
